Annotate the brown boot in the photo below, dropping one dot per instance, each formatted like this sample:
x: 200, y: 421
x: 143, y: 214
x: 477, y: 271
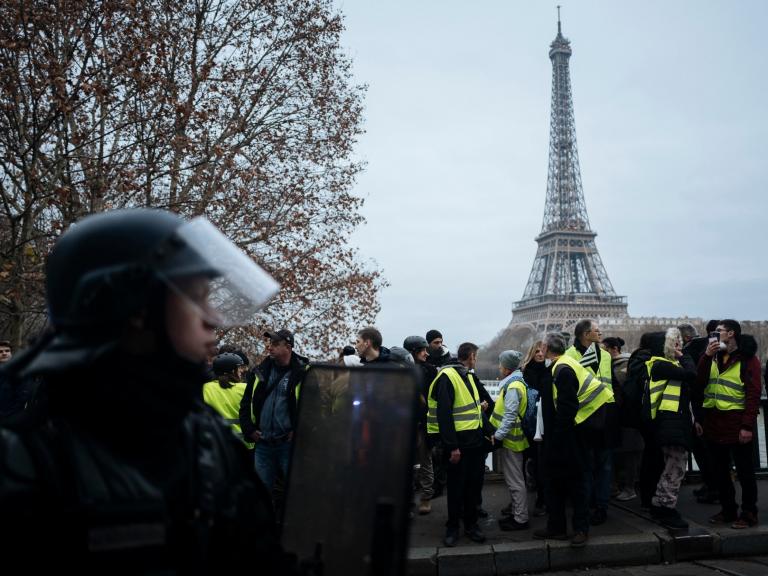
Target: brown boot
x: 425, y: 507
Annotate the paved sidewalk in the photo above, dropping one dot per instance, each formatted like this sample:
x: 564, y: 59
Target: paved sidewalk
x: 629, y: 537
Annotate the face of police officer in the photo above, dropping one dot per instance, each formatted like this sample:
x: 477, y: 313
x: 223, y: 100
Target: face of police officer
x: 5, y: 354
x: 190, y: 329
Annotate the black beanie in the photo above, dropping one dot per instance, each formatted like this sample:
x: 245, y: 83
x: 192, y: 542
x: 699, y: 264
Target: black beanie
x: 432, y: 334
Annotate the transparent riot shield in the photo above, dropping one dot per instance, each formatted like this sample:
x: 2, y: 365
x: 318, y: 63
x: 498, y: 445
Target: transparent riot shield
x: 349, y: 487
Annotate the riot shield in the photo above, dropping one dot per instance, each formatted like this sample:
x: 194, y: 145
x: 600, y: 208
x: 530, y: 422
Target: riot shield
x: 349, y: 486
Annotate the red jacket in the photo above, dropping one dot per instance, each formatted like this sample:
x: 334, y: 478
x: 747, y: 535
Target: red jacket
x: 723, y: 426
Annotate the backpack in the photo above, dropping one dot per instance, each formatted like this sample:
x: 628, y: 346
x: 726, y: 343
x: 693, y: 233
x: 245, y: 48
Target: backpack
x: 528, y: 420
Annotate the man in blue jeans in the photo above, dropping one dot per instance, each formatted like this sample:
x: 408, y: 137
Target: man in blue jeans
x: 268, y: 407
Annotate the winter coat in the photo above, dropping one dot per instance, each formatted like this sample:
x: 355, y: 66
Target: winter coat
x: 675, y: 428
x: 723, y: 426
x: 253, y: 401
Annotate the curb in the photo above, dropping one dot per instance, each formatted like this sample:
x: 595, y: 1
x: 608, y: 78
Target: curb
x: 653, y: 547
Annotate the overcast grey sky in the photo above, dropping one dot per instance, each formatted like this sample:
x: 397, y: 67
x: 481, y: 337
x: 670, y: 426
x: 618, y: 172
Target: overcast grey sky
x: 670, y: 102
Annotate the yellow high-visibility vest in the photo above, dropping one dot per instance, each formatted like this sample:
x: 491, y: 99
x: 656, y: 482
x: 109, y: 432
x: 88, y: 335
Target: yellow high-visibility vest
x: 515, y: 438
x: 592, y: 392
x: 725, y: 391
x: 604, y: 372
x: 226, y: 401
x: 467, y: 414
x: 665, y: 394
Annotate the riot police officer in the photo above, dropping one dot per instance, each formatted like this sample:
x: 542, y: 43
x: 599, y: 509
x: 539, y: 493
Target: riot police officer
x: 122, y: 467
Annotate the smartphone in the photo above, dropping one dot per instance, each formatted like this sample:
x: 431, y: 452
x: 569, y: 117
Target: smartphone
x: 714, y: 336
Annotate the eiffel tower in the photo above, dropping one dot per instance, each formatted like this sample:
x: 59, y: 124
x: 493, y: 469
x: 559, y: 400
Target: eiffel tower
x: 568, y: 280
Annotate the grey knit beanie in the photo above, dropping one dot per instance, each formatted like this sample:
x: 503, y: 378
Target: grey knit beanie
x: 510, y: 359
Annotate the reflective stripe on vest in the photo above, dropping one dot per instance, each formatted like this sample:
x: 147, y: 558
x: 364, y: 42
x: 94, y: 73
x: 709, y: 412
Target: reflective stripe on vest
x: 515, y: 439
x: 591, y: 394
x: 226, y: 401
x: 664, y: 394
x: 604, y: 372
x: 725, y: 391
x: 466, y: 407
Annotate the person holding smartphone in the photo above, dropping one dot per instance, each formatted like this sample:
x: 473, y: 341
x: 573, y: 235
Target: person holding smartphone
x: 729, y: 374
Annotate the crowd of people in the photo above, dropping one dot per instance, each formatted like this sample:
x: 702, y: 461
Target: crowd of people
x: 610, y: 425
x: 108, y: 451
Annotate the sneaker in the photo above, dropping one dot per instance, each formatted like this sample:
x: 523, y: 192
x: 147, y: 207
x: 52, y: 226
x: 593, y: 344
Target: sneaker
x: 579, y: 540
x: 425, y: 507
x: 546, y: 534
x: 451, y: 537
x: 509, y: 524
x: 507, y: 510
x: 722, y: 517
x: 599, y: 516
x: 626, y: 495
x: 475, y: 534
x: 746, y: 520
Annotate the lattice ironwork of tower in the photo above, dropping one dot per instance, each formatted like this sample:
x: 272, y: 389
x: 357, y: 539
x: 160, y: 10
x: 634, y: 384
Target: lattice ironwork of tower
x: 568, y: 280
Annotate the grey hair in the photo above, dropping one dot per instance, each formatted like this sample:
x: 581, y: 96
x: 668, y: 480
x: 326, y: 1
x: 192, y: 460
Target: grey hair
x: 672, y: 336
x: 687, y: 331
x: 554, y: 343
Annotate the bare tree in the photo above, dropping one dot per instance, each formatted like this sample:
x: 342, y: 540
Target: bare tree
x: 244, y: 111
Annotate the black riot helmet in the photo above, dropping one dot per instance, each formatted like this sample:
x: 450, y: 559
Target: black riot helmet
x: 226, y: 363
x: 106, y: 268
x: 113, y: 267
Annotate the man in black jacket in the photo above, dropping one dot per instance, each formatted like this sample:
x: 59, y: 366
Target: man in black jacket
x: 268, y: 407
x: 454, y: 403
x: 566, y: 456
x: 369, y: 347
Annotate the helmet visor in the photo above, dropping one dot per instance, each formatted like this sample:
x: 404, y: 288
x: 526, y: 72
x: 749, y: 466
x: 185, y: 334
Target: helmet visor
x: 215, y: 276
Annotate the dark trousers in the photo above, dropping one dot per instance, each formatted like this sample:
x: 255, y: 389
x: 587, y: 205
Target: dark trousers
x: 651, y: 467
x: 743, y: 455
x: 559, y: 490
x: 704, y: 460
x: 465, y: 481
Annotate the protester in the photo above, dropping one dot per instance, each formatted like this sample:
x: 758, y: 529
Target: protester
x: 601, y: 438
x: 417, y: 346
x: 268, y: 410
x: 729, y: 374
x: 439, y: 355
x: 454, y: 413
x: 626, y: 455
x: 579, y: 401
x: 671, y: 375
x: 539, y: 377
x: 369, y: 347
x: 507, y: 417
x: 226, y: 392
